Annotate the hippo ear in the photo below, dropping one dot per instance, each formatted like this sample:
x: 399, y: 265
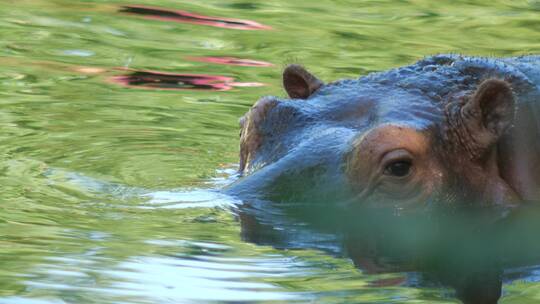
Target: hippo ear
x: 299, y: 83
x: 485, y: 116
x: 493, y: 105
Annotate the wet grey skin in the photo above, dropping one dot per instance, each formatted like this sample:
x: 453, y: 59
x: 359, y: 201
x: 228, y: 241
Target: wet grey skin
x: 304, y: 148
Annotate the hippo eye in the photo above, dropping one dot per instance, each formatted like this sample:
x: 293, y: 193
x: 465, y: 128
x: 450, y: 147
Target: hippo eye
x: 400, y: 168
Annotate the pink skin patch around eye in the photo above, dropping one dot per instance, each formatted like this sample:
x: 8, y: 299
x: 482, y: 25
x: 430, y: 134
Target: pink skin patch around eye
x: 232, y: 61
x: 170, y: 81
x: 163, y: 14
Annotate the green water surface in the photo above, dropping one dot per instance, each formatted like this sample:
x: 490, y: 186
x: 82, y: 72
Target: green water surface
x: 107, y: 193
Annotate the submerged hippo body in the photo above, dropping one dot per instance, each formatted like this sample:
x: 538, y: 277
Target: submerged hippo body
x: 445, y: 130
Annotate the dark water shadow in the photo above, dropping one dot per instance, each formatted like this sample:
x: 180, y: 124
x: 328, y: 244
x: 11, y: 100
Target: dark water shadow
x: 172, y: 81
x: 471, y: 251
x: 163, y: 14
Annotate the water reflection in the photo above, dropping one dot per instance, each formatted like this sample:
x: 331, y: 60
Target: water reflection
x: 67, y: 238
x: 468, y: 251
x: 200, y: 277
x: 149, y: 268
x: 187, y: 199
x: 163, y: 14
x: 472, y: 251
x: 232, y: 61
x: 172, y: 81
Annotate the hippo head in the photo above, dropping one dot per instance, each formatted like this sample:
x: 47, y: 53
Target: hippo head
x: 407, y: 137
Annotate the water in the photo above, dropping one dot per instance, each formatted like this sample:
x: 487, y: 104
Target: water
x: 109, y: 161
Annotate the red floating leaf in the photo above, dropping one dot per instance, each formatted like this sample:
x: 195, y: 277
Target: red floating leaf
x: 163, y: 14
x: 171, y: 81
x: 232, y: 61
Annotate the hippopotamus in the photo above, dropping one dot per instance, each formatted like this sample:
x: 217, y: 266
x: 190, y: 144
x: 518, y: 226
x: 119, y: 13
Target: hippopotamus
x: 446, y: 130
x: 449, y: 131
